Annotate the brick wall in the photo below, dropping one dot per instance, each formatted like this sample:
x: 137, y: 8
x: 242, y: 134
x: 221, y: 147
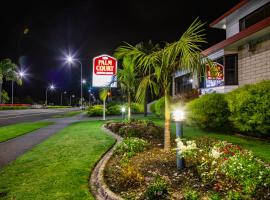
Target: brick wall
x: 254, y: 66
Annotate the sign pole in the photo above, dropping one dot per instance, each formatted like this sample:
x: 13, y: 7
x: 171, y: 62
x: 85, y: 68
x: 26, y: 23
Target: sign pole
x: 104, y: 109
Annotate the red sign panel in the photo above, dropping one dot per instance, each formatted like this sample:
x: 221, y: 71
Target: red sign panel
x: 105, y: 65
x: 215, y: 72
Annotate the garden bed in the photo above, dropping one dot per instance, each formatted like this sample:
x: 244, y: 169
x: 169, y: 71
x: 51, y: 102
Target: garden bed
x: 141, y: 169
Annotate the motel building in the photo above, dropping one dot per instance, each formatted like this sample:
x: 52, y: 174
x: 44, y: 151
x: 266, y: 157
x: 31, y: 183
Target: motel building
x: 242, y: 58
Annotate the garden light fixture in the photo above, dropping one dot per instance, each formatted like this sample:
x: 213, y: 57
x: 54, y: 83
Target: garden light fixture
x: 179, y: 116
x: 123, y: 110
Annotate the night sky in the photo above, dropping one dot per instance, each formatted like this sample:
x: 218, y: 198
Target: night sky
x: 36, y: 35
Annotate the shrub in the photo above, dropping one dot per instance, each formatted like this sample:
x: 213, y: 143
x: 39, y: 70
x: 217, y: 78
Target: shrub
x: 131, y: 177
x: 153, y: 107
x: 158, y: 189
x: 160, y: 107
x: 190, y: 194
x: 114, y: 110
x: 250, y: 107
x: 209, y: 111
x: 136, y: 108
x: 96, y: 110
x: 131, y: 146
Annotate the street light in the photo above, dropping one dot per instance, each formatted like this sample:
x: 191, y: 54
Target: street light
x: 123, y: 110
x: 70, y: 99
x: 70, y: 59
x: 50, y: 87
x: 21, y: 74
x: 178, y: 116
x: 61, y: 100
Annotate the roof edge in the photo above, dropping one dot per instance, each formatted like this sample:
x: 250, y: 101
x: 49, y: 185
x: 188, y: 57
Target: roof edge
x: 236, y: 7
x: 245, y: 33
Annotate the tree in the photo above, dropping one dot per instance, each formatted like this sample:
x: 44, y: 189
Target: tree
x: 5, y: 97
x: 127, y: 78
x: 8, y: 71
x: 159, y: 66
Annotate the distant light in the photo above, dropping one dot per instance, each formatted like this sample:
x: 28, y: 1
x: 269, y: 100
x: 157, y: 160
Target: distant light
x: 178, y: 115
x: 123, y: 109
x: 83, y: 81
x: 25, y: 31
x: 52, y: 87
x: 70, y: 59
x: 191, y: 80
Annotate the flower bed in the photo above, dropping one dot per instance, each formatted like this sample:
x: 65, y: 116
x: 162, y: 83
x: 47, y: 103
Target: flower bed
x: 140, y: 169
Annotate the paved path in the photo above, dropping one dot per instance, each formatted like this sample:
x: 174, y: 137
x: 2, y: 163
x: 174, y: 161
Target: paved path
x: 29, y: 115
x: 15, y: 147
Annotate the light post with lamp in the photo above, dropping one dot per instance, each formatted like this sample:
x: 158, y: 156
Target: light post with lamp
x: 71, y: 60
x: 70, y: 99
x: 50, y: 87
x: 61, y: 100
x: 20, y: 74
x: 123, y: 110
x: 178, y: 116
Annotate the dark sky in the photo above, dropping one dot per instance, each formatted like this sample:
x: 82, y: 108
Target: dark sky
x: 89, y: 28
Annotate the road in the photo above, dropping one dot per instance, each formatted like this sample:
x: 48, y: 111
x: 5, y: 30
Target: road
x: 16, y: 116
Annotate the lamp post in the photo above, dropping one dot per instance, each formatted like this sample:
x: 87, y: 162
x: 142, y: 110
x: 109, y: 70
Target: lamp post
x: 178, y: 116
x: 123, y: 110
x: 70, y: 99
x: 61, y: 99
x: 50, y: 87
x: 71, y: 60
x: 20, y: 74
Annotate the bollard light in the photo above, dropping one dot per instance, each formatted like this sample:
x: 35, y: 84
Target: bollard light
x: 123, y: 110
x: 179, y: 116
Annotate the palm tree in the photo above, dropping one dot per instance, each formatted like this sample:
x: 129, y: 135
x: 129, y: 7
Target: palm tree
x: 159, y: 66
x: 8, y: 71
x: 127, y: 78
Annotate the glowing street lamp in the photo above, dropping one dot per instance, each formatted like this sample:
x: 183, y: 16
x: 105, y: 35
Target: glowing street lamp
x: 123, y: 110
x: 51, y: 87
x: 83, y: 81
x: 21, y: 74
x: 179, y: 116
x: 70, y: 59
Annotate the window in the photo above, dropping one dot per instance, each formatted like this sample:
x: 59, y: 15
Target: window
x: 254, y: 17
x: 231, y: 69
x: 183, y: 84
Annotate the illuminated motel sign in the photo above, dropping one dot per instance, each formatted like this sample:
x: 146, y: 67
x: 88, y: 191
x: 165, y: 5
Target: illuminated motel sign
x: 104, y: 71
x: 215, y: 75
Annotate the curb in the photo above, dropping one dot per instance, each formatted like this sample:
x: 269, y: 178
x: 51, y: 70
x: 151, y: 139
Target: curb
x: 97, y: 184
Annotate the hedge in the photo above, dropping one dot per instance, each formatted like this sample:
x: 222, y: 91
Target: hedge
x: 208, y: 111
x: 250, y: 107
x: 160, y: 107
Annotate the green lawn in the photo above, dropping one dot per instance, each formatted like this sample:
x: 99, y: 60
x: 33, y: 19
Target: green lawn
x: 15, y: 130
x: 260, y: 148
x: 58, y: 168
x: 68, y: 114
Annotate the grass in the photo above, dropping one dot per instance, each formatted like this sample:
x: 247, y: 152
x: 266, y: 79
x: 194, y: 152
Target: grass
x: 15, y: 130
x: 58, y: 168
x: 68, y: 114
x: 260, y: 148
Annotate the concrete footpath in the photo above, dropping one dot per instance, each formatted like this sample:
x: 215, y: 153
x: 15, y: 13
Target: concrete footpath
x: 15, y: 147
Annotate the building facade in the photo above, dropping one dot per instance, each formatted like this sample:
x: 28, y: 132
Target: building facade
x: 242, y: 58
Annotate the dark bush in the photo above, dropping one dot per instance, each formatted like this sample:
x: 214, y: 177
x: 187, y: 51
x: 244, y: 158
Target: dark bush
x: 96, y: 110
x: 208, y: 111
x: 250, y: 107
